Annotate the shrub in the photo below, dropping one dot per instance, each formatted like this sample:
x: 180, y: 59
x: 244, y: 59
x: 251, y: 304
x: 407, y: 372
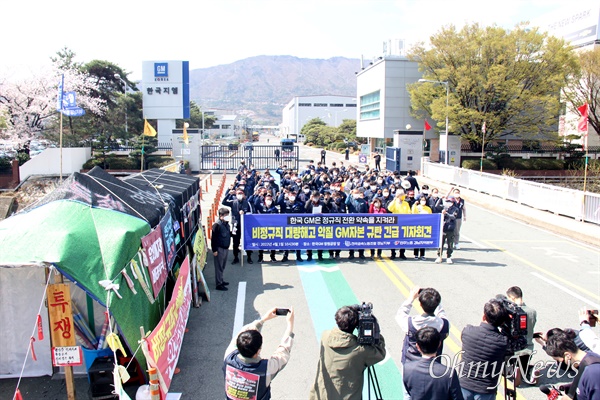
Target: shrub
x: 5, y: 164
x: 475, y: 164
x: 547, y: 164
x: 161, y: 161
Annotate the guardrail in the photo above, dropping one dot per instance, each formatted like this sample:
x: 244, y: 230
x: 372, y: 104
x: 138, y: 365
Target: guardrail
x: 583, y: 206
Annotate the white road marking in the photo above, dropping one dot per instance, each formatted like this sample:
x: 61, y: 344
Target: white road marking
x: 552, y: 252
x: 564, y: 289
x: 319, y: 268
x: 472, y: 241
x: 238, y: 321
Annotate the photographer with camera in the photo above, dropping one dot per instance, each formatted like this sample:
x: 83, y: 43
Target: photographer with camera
x: 484, y: 348
x: 343, y: 359
x: 562, y: 348
x: 433, y: 316
x: 247, y: 375
x: 515, y: 294
x: 426, y: 379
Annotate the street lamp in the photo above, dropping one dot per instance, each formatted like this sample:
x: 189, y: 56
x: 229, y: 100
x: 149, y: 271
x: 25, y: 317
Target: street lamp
x: 117, y: 76
x: 447, y: 153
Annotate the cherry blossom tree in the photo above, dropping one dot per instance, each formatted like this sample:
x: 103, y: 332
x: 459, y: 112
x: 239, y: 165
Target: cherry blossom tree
x: 28, y: 105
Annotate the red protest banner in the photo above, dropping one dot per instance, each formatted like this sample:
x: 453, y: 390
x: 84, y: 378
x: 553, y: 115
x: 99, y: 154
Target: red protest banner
x: 155, y: 257
x: 164, y: 343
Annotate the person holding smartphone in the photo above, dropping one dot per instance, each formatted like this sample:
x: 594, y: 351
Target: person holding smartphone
x: 247, y: 374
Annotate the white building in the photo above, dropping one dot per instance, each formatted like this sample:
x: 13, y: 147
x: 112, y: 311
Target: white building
x: 226, y: 125
x: 330, y: 109
x: 579, y: 24
x: 384, y: 102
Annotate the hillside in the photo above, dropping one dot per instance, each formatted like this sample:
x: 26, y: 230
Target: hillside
x: 261, y: 86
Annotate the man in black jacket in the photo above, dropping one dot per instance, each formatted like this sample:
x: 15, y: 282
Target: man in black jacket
x: 219, y: 244
x: 236, y: 199
x: 426, y: 379
x: 484, y: 350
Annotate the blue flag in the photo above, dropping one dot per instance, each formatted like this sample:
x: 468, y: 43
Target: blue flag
x: 59, y: 97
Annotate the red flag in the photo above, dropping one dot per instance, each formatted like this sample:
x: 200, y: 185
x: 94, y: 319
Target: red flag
x: 582, y: 125
x: 17, y: 395
x: 427, y: 126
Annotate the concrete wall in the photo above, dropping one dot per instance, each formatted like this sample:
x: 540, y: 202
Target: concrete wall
x: 48, y: 162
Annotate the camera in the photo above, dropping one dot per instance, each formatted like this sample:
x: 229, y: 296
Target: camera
x: 515, y: 328
x: 368, y: 327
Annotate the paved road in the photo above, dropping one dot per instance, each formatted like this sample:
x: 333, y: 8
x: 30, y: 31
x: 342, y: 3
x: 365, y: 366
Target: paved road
x: 557, y: 276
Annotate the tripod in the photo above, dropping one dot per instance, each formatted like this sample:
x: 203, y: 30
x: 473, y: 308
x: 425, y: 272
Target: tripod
x: 372, y: 377
x: 509, y: 394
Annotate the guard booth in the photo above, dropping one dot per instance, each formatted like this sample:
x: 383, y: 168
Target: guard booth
x: 406, y: 153
x: 229, y: 156
x: 189, y: 151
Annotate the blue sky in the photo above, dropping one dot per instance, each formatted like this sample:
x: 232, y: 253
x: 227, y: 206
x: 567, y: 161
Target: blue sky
x: 214, y: 32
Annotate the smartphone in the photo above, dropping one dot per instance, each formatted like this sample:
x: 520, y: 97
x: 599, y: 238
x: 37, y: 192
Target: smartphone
x: 282, y: 311
x: 593, y: 319
x: 537, y: 335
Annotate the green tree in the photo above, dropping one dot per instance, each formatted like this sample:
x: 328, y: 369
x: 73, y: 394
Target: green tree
x: 584, y: 86
x: 509, y: 79
x: 195, y: 119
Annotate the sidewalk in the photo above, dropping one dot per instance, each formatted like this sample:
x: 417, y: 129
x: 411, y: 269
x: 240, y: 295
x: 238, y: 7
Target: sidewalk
x: 561, y: 225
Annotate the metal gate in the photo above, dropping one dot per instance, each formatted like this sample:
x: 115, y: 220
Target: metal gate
x: 229, y: 157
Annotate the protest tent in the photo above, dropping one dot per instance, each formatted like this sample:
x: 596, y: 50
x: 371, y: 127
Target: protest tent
x: 89, y: 229
x: 87, y: 245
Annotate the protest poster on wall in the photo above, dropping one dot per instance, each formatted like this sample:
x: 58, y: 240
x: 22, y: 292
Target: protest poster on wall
x: 341, y: 231
x: 155, y: 258
x: 166, y: 227
x: 164, y: 343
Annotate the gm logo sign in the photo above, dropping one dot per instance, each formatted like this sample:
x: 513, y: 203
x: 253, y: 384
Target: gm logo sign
x: 161, y: 71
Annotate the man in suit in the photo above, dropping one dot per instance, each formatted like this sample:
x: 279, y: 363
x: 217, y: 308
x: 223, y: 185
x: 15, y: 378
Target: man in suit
x: 427, y: 378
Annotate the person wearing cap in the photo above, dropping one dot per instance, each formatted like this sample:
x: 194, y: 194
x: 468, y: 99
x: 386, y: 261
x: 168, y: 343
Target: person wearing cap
x: 450, y: 211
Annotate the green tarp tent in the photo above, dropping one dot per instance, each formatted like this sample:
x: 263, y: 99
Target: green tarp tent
x: 87, y: 245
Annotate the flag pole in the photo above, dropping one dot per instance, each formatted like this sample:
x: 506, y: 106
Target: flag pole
x: 60, y: 145
x: 483, y: 129
x: 142, y: 164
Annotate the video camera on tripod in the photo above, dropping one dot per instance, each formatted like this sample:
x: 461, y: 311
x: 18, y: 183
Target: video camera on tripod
x: 515, y: 328
x: 368, y: 327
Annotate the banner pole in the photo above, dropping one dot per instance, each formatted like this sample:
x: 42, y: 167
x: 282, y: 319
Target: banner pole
x: 61, y: 143
x: 242, y: 239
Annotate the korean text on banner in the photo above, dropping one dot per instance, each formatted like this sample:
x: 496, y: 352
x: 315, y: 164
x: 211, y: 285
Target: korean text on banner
x: 164, y: 343
x: 155, y: 257
x: 341, y: 232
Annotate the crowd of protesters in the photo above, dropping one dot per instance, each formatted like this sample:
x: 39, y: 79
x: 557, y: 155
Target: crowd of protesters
x: 318, y: 188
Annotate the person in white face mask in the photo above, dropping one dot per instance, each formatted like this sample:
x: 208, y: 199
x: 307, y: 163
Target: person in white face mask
x: 236, y: 200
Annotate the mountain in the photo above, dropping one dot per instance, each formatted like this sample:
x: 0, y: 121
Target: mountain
x: 261, y: 86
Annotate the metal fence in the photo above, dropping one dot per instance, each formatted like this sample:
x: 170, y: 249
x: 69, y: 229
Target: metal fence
x: 572, y: 203
x: 229, y: 157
